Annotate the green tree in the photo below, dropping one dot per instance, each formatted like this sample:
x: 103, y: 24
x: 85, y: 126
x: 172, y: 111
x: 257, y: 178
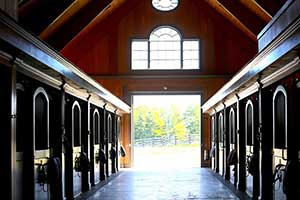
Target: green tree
x: 192, y: 119
x: 143, y: 122
x: 159, y: 122
x: 176, y: 123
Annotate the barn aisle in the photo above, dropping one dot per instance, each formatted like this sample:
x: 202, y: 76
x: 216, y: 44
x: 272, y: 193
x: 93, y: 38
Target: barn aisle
x: 175, y: 184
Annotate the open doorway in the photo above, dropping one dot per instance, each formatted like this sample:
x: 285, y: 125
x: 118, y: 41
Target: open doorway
x: 166, y: 131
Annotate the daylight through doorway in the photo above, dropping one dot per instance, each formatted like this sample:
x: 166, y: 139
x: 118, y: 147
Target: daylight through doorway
x: 166, y: 131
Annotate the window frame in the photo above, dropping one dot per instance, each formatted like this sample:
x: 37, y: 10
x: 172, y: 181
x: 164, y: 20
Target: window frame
x: 182, y: 40
x: 280, y: 89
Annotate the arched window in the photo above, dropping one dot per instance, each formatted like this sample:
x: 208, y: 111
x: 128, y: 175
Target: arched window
x: 249, y: 124
x: 232, y: 126
x: 76, y: 124
x: 109, y: 128
x: 165, y: 5
x: 221, y: 128
x: 96, y: 126
x: 165, y: 50
x: 280, y: 118
x: 41, y: 119
x: 213, y: 129
x: 118, y: 127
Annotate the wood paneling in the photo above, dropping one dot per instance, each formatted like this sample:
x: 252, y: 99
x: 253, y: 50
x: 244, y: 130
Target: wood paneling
x: 105, y: 49
x: 123, y: 87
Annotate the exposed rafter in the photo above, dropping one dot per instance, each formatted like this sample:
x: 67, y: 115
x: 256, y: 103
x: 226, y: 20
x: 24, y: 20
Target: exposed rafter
x: 113, y: 6
x: 228, y: 15
x: 257, y: 9
x: 75, y: 7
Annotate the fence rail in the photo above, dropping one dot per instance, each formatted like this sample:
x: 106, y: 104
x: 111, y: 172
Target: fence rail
x: 167, y: 141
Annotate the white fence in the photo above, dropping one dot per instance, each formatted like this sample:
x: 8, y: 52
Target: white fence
x: 167, y: 141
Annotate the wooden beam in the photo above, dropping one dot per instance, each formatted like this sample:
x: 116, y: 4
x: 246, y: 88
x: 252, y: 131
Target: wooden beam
x: 228, y: 15
x: 112, y: 7
x: 257, y: 9
x: 74, y: 8
x: 10, y: 7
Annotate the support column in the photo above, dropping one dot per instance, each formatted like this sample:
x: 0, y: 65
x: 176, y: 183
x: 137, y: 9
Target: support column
x: 226, y: 143
x: 217, y: 142
x: 126, y: 139
x: 85, y: 134
x: 241, y: 145
x: 106, y: 141
x: 266, y: 145
x: 259, y: 138
x: 8, y: 130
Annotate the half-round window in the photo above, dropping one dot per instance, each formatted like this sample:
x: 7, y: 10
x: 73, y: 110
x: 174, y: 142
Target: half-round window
x: 165, y: 49
x: 165, y: 5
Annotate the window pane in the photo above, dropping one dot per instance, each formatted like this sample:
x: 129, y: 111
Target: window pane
x: 165, y: 64
x: 191, y: 45
x: 139, y: 64
x: 139, y: 54
x: 191, y: 56
x: 139, y: 45
x: 191, y: 64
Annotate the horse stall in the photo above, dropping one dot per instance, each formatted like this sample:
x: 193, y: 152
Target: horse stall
x: 37, y: 160
x: 261, y: 102
x: 56, y: 120
x: 95, y: 145
x: 76, y: 160
x: 117, y: 140
x: 232, y: 144
x: 221, y: 144
x: 213, y: 137
x: 108, y: 143
x: 251, y: 145
x: 102, y: 153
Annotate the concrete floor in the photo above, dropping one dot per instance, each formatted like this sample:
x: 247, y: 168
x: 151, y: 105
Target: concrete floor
x: 174, y: 184
x: 165, y: 157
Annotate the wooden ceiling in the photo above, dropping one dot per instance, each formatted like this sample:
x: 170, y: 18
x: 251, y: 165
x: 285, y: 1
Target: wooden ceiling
x: 58, y: 22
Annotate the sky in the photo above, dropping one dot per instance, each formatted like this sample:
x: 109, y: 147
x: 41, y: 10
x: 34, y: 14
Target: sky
x: 165, y: 100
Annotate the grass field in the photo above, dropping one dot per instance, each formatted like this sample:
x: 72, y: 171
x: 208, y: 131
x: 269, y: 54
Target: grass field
x: 167, y: 157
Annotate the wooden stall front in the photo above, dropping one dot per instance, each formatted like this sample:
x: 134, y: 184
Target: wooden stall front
x: 264, y: 96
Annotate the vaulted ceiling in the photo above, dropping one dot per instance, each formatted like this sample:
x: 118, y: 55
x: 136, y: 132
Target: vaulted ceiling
x: 58, y: 22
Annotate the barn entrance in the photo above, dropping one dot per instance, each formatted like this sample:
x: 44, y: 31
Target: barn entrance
x: 166, y: 131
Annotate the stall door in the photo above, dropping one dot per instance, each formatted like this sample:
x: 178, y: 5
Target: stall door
x: 76, y: 144
x: 213, y: 144
x: 109, y: 144
x: 118, y: 132
x: 232, y: 146
x: 221, y: 144
x: 41, y: 142
x: 96, y: 136
x: 249, y: 132
x: 279, y: 140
